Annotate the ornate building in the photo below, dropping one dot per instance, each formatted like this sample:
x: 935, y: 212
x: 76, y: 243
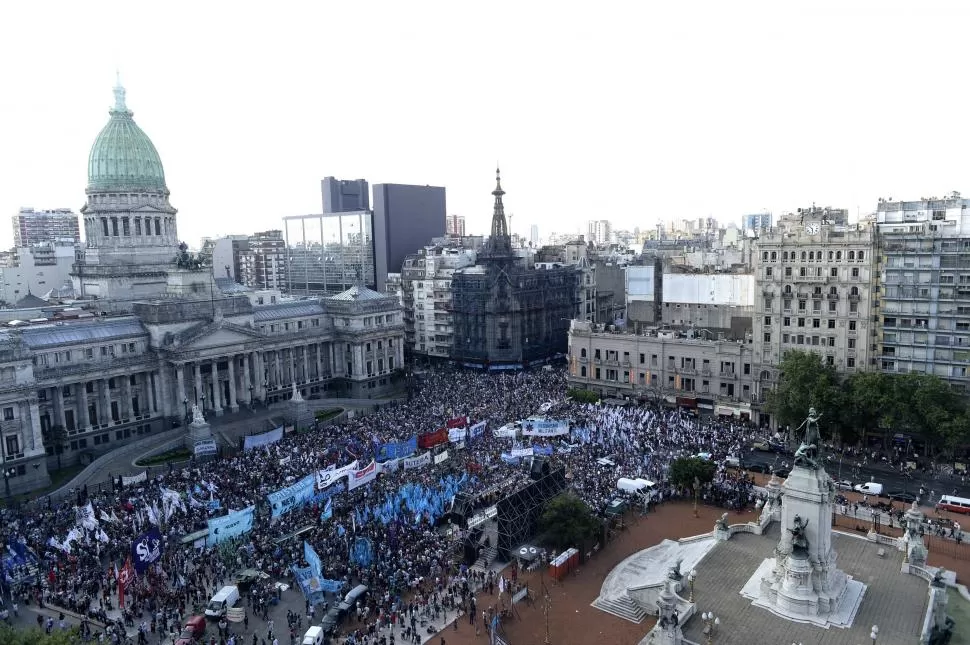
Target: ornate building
x: 71, y: 389
x: 506, y: 313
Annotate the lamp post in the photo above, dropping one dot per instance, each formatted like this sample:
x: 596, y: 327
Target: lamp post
x: 7, y: 474
x: 185, y: 404
x: 697, y: 485
x: 874, y: 634
x: 711, y: 622
x: 250, y: 396
x: 691, y: 577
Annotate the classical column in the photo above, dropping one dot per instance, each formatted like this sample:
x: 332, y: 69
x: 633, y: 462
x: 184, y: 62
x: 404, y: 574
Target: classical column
x: 319, y: 350
x: 83, y: 420
x: 162, y: 390
x: 199, y: 392
x: 59, y: 407
x: 180, y: 377
x: 233, y: 405
x: 247, y: 384
x: 106, y: 396
x: 125, y: 411
x: 216, y: 388
x: 293, y: 364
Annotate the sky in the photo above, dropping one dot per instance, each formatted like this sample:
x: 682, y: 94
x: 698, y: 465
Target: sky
x: 637, y: 112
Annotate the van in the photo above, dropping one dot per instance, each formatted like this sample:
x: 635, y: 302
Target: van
x: 869, y: 488
x: 226, y: 598
x: 350, y: 600
x: 632, y: 485
x: 313, y: 636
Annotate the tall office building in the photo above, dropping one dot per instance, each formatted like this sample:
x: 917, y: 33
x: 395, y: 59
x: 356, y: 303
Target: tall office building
x: 345, y: 195
x: 599, y: 231
x: 455, y: 226
x: 41, y: 227
x: 756, y: 222
x: 925, y: 305
x: 406, y: 219
x: 330, y: 252
x: 534, y: 235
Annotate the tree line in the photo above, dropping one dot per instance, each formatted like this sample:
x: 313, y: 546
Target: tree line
x: 923, y: 406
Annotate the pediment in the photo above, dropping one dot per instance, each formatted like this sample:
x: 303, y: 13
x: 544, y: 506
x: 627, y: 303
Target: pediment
x: 213, y: 336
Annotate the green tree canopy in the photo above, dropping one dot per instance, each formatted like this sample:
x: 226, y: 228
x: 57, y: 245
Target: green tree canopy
x: 34, y: 636
x: 806, y: 382
x: 582, y: 396
x: 568, y: 521
x: 684, y: 470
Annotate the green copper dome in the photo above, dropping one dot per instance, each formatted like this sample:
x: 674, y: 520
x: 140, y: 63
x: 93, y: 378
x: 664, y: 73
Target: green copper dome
x: 123, y: 158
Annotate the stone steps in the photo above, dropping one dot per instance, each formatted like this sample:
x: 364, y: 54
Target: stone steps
x: 487, y: 555
x: 623, y: 607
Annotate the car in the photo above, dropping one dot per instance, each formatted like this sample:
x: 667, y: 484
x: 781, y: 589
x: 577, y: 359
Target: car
x: 783, y: 472
x: 901, y: 496
x: 759, y: 468
x: 732, y: 461
x: 763, y: 446
x: 845, y: 484
x: 331, y: 621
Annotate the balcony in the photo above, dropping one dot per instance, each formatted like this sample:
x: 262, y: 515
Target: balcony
x: 832, y: 296
x: 854, y: 297
x: 814, y: 279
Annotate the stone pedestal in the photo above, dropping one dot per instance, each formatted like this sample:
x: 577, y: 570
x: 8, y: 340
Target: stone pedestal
x: 667, y: 631
x: 198, y: 430
x: 911, y: 542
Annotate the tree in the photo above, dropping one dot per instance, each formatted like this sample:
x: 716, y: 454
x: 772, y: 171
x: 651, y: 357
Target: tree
x: 56, y: 438
x: 684, y: 471
x: 26, y: 636
x: 805, y: 382
x: 568, y: 521
x: 583, y: 396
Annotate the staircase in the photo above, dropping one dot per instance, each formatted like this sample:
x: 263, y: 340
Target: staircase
x: 485, y: 556
x: 623, y: 607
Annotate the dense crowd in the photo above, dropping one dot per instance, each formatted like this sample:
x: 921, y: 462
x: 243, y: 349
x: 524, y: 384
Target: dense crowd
x: 414, y: 570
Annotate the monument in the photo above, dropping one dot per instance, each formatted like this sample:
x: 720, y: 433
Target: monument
x: 801, y: 581
x: 199, y: 438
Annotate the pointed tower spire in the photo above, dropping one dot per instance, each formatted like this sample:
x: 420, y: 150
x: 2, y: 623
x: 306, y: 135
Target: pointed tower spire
x: 119, y: 92
x: 500, y: 242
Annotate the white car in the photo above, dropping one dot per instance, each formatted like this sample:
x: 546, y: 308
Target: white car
x: 706, y: 456
x: 733, y: 461
x: 844, y: 485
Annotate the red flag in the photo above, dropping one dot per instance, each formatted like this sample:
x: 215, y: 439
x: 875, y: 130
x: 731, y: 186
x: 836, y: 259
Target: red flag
x: 125, y: 577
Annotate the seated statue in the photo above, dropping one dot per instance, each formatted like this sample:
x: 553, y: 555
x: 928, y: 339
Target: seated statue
x: 799, y: 541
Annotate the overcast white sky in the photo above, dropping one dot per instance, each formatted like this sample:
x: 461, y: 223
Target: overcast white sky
x: 629, y: 111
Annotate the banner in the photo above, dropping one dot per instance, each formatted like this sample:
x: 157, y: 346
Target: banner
x: 236, y: 614
x: 417, y: 462
x: 205, y: 447
x: 504, y: 432
x: 363, y: 476
x: 327, y: 511
x: 229, y: 526
x: 397, y: 450
x: 542, y: 450
x: 294, y: 495
x: 432, y: 439
x: 545, y: 427
x: 146, y: 550
x: 125, y: 577
x: 362, y: 552
x: 476, y: 430
x: 327, y: 493
x: 310, y: 555
x: 330, y: 475
x: 264, y: 439
x: 456, y: 434
x: 134, y: 479
x: 441, y: 458
x: 333, y: 586
x: 388, y: 466
x: 309, y: 583
x: 457, y: 422
x: 521, y: 452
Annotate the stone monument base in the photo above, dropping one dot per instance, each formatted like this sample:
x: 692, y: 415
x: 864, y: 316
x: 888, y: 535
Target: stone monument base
x: 803, y: 604
x: 197, y: 432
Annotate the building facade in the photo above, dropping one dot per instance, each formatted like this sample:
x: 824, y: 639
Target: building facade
x: 330, y: 252
x: 710, y: 375
x: 32, y: 227
x: 345, y: 195
x: 756, y: 222
x: 599, y: 231
x: 262, y: 263
x: 130, y: 230
x: 406, y: 219
x: 925, y: 305
x: 816, y: 291
x: 455, y: 226
x: 38, y: 270
x: 507, y: 313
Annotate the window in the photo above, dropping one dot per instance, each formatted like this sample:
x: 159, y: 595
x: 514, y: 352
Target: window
x: 831, y: 323
x: 89, y: 353
x: 747, y: 368
x: 104, y: 226
x: 852, y: 343
x: 831, y: 341
x: 643, y: 358
x: 801, y: 322
x: 838, y: 256
x: 801, y: 305
x: 787, y: 272
x: 850, y: 362
x: 851, y: 325
x: 125, y: 230
x: 853, y: 307
x: 851, y: 256
x: 787, y: 305
x: 786, y: 321
x: 767, y: 337
x: 582, y: 353
x: 861, y: 255
x: 768, y: 272
x: 764, y: 256
x: 834, y: 271
x: 8, y: 414
x: 137, y: 226
x: 855, y: 272
x: 816, y: 323
x: 774, y: 256
x: 830, y: 360
x: 12, y: 446
x: 832, y: 307
x: 767, y: 320
x: 582, y: 371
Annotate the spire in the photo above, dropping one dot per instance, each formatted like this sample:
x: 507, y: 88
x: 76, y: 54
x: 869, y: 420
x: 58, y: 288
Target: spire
x: 119, y: 92
x: 500, y: 242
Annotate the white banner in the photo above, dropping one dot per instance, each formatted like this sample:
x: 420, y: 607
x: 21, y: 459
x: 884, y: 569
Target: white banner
x: 417, y: 462
x: 331, y: 475
x: 456, y: 434
x: 134, y: 479
x: 264, y: 439
x: 388, y: 466
x: 205, y: 447
x: 521, y: 452
x: 504, y: 431
x: 441, y: 457
x: 476, y: 430
x: 545, y: 427
x: 363, y: 476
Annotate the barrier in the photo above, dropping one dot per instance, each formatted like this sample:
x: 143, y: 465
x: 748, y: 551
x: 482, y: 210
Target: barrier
x: 563, y: 564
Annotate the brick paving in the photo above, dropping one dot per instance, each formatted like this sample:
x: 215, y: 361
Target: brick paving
x: 895, y: 602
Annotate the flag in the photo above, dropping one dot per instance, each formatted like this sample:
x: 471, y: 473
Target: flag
x: 125, y: 578
x: 327, y: 510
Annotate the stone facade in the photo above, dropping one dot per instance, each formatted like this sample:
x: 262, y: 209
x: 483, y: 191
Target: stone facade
x: 109, y: 379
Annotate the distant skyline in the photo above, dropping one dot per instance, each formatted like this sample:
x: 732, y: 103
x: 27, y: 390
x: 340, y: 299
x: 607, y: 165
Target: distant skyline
x: 634, y: 112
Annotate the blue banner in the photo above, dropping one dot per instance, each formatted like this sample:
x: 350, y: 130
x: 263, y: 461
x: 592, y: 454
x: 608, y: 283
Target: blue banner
x: 399, y: 450
x: 310, y: 555
x: 541, y: 450
x: 229, y: 526
x: 327, y: 511
x: 286, y: 499
x: 327, y: 493
x: 476, y: 430
x: 146, y: 550
x: 333, y: 586
x: 265, y: 439
x: 362, y: 552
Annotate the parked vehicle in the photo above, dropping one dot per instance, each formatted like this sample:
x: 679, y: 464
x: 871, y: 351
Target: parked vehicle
x: 869, y: 488
x: 845, y: 484
x: 313, y: 636
x: 732, y: 461
x: 759, y: 468
x: 954, y: 504
x: 763, y: 446
x: 902, y: 496
x: 193, y: 631
x: 222, y: 601
x: 783, y: 471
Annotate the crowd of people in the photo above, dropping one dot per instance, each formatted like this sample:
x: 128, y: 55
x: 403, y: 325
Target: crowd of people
x: 414, y: 569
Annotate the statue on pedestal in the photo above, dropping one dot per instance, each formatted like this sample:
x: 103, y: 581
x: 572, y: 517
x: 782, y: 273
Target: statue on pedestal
x: 198, y: 418
x: 807, y: 453
x: 675, y: 573
x: 721, y: 524
x: 799, y: 541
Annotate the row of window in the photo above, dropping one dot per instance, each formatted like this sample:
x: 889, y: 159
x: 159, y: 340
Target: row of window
x: 685, y: 384
x: 110, y: 226
x: 67, y: 391
x: 68, y: 356
x: 812, y: 256
x: 686, y: 362
x: 813, y: 272
x: 297, y: 325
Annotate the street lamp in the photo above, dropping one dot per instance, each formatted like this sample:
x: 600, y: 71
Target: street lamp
x: 874, y: 634
x: 250, y: 395
x: 7, y: 474
x: 711, y: 622
x: 185, y: 404
x: 697, y: 485
x: 203, y: 402
x: 690, y: 578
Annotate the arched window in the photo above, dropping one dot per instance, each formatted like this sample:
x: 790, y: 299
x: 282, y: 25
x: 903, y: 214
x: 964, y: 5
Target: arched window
x: 774, y: 256
x: 831, y: 255
x: 838, y: 256
x: 861, y: 256
x: 582, y: 353
x: 833, y: 290
x: 787, y: 288
x: 764, y: 256
x: 784, y: 256
x: 854, y: 291
x: 804, y: 255
x: 582, y: 370
x: 851, y: 255
x: 811, y: 255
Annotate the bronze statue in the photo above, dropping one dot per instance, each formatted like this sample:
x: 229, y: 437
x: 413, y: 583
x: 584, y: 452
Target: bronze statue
x: 808, y: 452
x: 799, y: 541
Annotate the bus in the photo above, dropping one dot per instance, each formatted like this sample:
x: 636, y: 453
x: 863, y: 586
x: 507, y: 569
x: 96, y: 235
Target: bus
x: 955, y: 504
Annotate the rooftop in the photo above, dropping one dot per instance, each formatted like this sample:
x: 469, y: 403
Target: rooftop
x: 297, y: 309
x: 357, y: 294
x: 60, y: 334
